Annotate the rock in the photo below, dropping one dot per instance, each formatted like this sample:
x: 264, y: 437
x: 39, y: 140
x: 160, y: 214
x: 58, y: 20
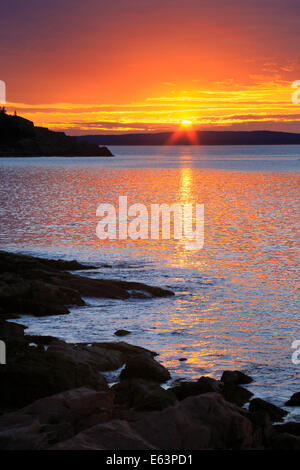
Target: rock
x: 37, y: 374
x: 292, y: 427
x: 35, y: 286
x: 11, y: 331
x: 294, y: 400
x: 114, y: 435
x: 145, y: 367
x: 99, y: 359
x: 52, y: 419
x: 122, y: 332
x: 142, y: 395
x: 263, y: 426
x: 182, y: 359
x: 99, y: 356
x: 200, y: 422
x: 235, y: 377
x: 275, y: 413
x: 285, y: 441
x: 129, y: 350
x: 203, y: 385
x: 236, y: 394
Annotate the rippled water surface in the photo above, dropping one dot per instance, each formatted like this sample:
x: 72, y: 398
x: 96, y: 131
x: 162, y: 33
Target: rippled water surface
x: 236, y: 299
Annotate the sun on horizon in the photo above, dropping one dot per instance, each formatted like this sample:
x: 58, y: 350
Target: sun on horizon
x: 186, y: 123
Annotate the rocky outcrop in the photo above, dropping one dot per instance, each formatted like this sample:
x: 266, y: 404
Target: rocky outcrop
x: 294, y: 400
x: 39, y: 366
x: 30, y: 285
x: 291, y: 427
x: 142, y: 395
x: 54, y: 419
x: 230, y: 391
x: 84, y: 419
x: 19, y: 137
x: 201, y: 422
x: 145, y: 368
x: 203, y: 385
x: 275, y: 412
x: 54, y: 396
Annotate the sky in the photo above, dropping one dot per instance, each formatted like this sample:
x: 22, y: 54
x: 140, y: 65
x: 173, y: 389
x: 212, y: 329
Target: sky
x: 123, y: 66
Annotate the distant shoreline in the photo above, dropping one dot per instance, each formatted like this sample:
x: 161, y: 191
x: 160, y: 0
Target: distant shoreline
x: 199, y: 138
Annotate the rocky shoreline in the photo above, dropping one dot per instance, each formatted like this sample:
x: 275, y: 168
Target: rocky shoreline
x: 55, y: 395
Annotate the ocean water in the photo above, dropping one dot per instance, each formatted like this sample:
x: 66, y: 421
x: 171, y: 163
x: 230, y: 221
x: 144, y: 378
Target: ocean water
x: 236, y: 303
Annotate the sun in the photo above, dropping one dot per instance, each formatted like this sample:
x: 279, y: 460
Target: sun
x: 186, y: 123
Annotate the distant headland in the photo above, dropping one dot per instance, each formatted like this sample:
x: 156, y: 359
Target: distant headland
x: 201, y: 137
x: 19, y: 137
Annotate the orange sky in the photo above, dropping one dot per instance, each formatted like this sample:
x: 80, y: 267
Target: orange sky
x: 131, y: 66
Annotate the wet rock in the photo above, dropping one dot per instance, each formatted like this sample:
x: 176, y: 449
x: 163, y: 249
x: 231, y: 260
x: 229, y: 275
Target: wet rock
x: 203, y: 385
x: 11, y: 331
x: 145, y: 367
x: 129, y: 350
x: 99, y: 356
x: 41, y: 287
x: 122, y: 332
x: 99, y: 359
x: 17, y: 263
x: 294, y: 400
x: 292, y: 427
x: 142, y: 395
x: 182, y: 359
x: 275, y: 412
x: 236, y: 394
x: 235, y: 377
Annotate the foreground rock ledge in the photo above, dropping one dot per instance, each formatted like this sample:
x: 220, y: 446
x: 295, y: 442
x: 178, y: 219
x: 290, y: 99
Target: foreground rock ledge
x: 37, y: 286
x: 84, y: 419
x: 53, y: 396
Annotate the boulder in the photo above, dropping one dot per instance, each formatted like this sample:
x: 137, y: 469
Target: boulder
x: 291, y: 427
x: 142, y: 395
x: 99, y: 359
x: 285, y: 441
x: 114, y: 435
x: 37, y: 374
x: 145, y: 367
x: 203, y: 385
x: 55, y: 418
x: 294, y: 400
x: 236, y: 377
x: 275, y: 412
x: 236, y: 394
x: 122, y: 332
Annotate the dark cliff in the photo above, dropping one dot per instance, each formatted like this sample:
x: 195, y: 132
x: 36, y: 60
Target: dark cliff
x: 20, y: 137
